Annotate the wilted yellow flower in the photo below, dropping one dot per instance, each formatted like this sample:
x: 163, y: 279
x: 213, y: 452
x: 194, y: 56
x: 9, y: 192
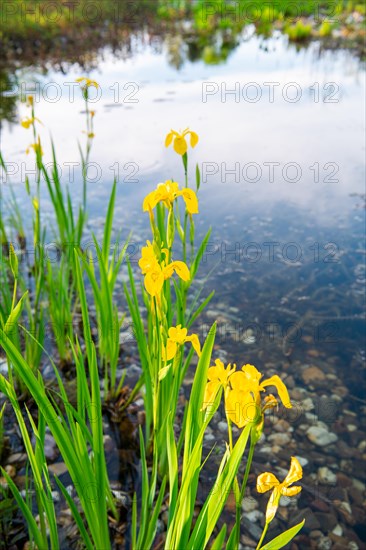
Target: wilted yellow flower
x: 268, y: 481
x: 243, y: 401
x: 177, y: 336
x: 218, y: 377
x: 87, y: 82
x: 30, y: 101
x: 167, y: 193
x: 157, y: 272
x: 179, y: 140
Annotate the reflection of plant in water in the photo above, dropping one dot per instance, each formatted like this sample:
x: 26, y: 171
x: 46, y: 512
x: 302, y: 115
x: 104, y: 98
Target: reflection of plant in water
x: 199, y: 30
x: 8, y: 102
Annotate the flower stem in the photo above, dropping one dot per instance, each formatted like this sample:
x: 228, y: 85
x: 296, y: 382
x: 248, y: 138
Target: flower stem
x: 240, y: 497
x: 262, y: 537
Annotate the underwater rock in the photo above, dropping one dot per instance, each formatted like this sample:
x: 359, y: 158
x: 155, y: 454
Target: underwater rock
x: 280, y: 439
x: 321, y: 436
x: 222, y: 426
x: 249, y: 504
x: 313, y: 375
x: 58, y: 469
x: 326, y: 476
x: 324, y: 543
x: 311, y: 521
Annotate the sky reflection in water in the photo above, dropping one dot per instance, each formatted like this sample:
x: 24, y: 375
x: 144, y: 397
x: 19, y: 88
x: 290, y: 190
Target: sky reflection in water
x: 260, y: 202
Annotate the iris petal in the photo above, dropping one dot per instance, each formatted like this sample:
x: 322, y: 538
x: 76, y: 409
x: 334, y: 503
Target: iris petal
x: 154, y: 281
x: 281, y: 388
x: 177, y: 334
x: 273, y: 504
x: 251, y: 372
x: 171, y: 349
x: 241, y: 408
x: 237, y: 380
x: 266, y: 482
x: 181, y: 270
x: 195, y: 343
x: 295, y: 472
x: 169, y: 139
x: 194, y: 139
x: 211, y: 390
x: 180, y: 145
x: 216, y: 372
x: 190, y: 199
x: 150, y: 201
x: 291, y: 491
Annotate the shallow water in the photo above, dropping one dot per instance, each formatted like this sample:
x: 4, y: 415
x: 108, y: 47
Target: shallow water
x: 282, y: 186
x: 281, y: 165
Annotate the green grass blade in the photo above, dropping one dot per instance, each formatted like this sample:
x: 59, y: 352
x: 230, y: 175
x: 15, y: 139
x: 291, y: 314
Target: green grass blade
x: 219, y: 540
x: 77, y: 517
x: 283, y: 538
x: 108, y: 226
x: 215, y: 502
x: 27, y: 512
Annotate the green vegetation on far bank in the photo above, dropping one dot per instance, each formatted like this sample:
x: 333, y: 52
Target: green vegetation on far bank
x: 38, y: 19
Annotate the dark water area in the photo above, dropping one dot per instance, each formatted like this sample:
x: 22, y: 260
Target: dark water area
x: 281, y: 155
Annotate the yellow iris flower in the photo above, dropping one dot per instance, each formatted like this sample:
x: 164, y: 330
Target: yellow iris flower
x: 156, y: 273
x: 218, y: 377
x: 27, y: 122
x: 243, y: 401
x: 179, y: 140
x: 177, y: 336
x: 36, y: 148
x: 167, y: 193
x: 87, y: 82
x: 148, y: 260
x: 268, y: 481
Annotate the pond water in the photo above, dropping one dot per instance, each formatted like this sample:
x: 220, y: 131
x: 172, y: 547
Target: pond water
x: 281, y: 154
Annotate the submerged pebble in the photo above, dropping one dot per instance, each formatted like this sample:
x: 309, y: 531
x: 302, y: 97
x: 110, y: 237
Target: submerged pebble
x: 321, y: 436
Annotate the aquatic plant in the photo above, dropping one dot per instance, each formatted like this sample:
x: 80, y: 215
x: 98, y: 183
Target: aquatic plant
x: 171, y: 459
